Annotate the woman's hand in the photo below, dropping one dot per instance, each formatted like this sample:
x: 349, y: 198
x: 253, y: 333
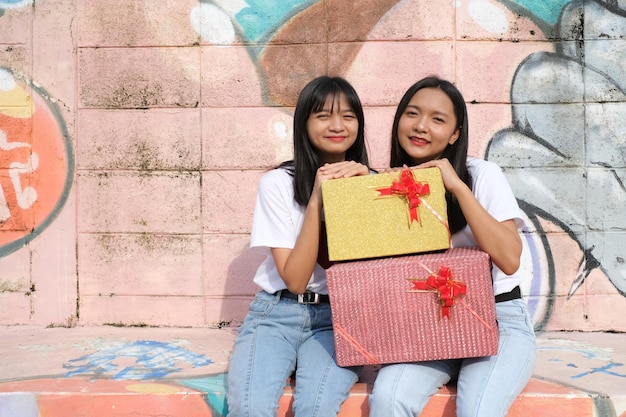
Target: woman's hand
x: 335, y: 170
x: 451, y: 180
x: 343, y: 169
x: 499, y: 239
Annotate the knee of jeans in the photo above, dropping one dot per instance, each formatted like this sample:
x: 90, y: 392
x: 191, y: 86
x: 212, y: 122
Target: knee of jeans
x: 385, y: 401
x: 383, y: 394
x: 380, y: 402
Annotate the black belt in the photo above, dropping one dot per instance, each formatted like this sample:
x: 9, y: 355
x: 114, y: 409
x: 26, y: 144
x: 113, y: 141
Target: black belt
x: 514, y: 294
x: 309, y: 297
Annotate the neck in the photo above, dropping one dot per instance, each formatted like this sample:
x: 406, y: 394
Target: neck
x: 331, y: 159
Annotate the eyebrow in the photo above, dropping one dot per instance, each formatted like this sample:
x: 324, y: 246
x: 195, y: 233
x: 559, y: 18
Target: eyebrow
x: 442, y: 113
x: 336, y: 109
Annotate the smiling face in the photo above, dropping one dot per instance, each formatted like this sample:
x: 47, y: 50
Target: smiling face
x: 333, y: 129
x: 428, y: 125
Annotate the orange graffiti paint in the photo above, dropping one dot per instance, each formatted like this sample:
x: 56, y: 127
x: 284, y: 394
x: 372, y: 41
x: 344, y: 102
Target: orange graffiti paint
x: 36, y: 162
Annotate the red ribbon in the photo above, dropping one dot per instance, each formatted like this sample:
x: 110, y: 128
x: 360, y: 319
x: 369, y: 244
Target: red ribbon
x: 409, y: 188
x: 447, y: 288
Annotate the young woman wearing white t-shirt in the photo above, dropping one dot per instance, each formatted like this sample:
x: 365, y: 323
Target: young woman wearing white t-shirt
x: 288, y: 327
x: 430, y: 130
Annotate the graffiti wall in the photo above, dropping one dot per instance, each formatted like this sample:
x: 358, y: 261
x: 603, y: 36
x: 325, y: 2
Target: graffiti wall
x: 133, y: 135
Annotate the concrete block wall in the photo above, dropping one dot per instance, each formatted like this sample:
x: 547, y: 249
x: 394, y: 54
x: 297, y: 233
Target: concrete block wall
x: 133, y: 135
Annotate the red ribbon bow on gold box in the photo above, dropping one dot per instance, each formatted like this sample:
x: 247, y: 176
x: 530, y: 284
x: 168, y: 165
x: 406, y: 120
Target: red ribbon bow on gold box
x: 407, y: 186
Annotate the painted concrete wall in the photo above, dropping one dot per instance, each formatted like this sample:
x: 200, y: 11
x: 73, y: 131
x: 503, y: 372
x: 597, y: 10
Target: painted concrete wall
x: 133, y: 134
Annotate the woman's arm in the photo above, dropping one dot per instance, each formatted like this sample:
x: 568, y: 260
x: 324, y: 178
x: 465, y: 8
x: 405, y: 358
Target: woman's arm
x: 296, y: 265
x: 499, y: 239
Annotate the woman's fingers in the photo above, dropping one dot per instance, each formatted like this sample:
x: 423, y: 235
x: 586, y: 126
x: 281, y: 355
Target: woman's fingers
x: 344, y: 169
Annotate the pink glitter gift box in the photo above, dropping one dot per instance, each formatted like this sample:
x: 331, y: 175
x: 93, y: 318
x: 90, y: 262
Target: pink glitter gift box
x: 413, y: 308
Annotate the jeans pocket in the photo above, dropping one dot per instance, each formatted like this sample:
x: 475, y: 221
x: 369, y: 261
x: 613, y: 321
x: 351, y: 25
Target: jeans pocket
x: 261, y: 305
x: 513, y: 317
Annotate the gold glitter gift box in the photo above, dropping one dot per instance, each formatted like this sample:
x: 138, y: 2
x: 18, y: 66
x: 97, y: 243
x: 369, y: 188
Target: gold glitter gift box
x: 385, y: 214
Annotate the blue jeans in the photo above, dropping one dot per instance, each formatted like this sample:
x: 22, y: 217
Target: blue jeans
x: 486, y: 386
x: 277, y: 337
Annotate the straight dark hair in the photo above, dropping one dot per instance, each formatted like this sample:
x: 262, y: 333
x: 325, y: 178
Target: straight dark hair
x: 455, y: 153
x: 305, y: 160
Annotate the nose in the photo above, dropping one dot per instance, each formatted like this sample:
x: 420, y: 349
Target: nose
x: 336, y: 123
x: 421, y: 124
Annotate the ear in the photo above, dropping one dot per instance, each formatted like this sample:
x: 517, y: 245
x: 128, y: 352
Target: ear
x: 454, y: 137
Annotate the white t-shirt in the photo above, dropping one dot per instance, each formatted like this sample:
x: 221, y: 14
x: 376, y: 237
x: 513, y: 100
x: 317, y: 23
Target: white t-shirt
x: 276, y: 224
x: 494, y: 193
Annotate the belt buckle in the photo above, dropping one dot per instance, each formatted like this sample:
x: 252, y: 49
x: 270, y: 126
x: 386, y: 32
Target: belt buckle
x: 309, y: 297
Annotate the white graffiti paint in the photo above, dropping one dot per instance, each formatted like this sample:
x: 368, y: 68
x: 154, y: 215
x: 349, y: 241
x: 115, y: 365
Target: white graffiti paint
x: 7, y: 80
x: 568, y: 126
x: 488, y: 16
x: 212, y: 24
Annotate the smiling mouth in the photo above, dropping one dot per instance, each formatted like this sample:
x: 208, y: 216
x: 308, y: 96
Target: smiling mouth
x: 418, y: 141
x: 336, y: 138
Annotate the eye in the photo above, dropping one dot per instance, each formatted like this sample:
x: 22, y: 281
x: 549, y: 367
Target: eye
x: 439, y: 120
x: 411, y: 113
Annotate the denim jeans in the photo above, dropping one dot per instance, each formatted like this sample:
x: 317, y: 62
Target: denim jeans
x: 277, y: 337
x: 486, y: 386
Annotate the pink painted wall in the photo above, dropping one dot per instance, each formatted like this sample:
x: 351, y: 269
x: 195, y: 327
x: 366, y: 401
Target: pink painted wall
x: 133, y: 134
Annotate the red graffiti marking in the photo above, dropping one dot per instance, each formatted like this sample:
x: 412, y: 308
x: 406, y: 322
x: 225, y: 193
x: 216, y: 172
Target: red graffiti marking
x: 36, y: 162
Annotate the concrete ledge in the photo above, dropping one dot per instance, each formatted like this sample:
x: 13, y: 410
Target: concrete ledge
x: 79, y: 397
x: 117, y: 372
x: 538, y: 399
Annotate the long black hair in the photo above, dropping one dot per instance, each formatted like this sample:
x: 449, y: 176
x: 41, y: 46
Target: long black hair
x: 455, y: 153
x: 305, y: 160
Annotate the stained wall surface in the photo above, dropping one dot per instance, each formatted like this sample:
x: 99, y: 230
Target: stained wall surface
x: 133, y: 135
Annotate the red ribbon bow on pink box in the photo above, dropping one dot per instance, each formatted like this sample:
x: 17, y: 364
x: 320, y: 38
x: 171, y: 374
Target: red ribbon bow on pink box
x: 446, y: 287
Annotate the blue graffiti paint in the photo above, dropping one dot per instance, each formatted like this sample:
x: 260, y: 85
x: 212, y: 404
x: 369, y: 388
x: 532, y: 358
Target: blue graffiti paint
x: 215, y: 387
x: 603, y: 370
x: 587, y: 354
x: 151, y: 360
x: 12, y: 4
x: 546, y: 10
x: 261, y: 18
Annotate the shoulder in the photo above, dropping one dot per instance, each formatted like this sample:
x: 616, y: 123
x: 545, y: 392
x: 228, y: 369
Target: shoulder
x: 486, y: 175
x: 275, y: 187
x: 277, y: 177
x: 479, y: 167
x: 493, y: 191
